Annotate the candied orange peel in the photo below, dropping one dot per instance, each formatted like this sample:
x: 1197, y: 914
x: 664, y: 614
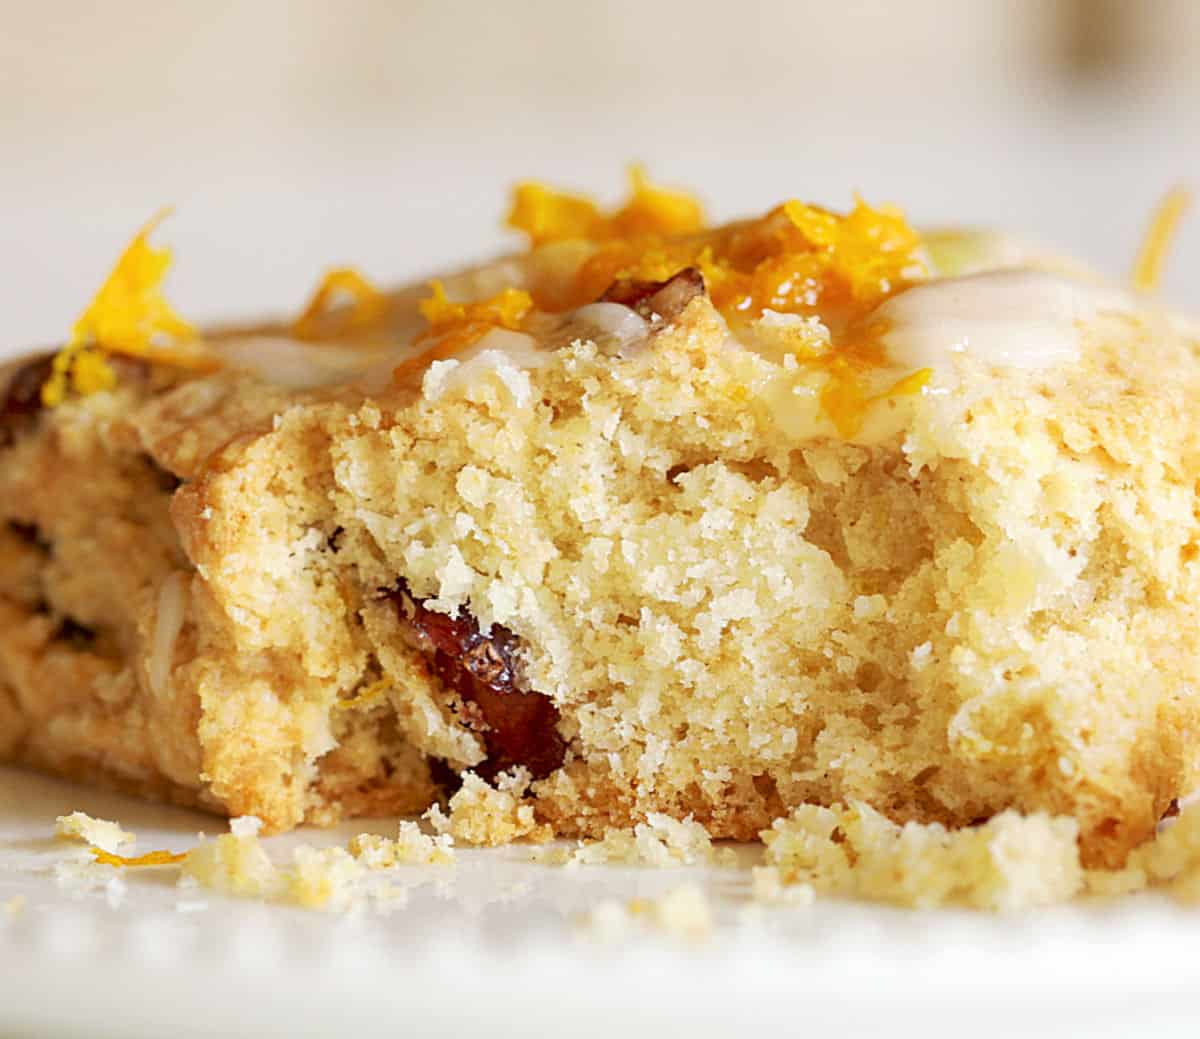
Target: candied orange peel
x: 129, y: 315
x: 321, y: 318
x: 151, y: 858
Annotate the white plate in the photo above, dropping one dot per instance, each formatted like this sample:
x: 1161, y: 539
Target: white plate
x: 494, y: 947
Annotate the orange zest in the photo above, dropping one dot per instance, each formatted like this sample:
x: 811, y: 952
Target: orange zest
x: 367, y: 305
x: 846, y: 400
x: 367, y: 697
x: 128, y: 315
x: 1164, y: 225
x: 546, y: 215
x: 795, y: 259
x: 151, y: 858
x: 455, y: 326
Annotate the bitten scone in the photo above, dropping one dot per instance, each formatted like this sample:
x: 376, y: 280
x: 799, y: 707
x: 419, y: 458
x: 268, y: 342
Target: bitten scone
x: 650, y: 518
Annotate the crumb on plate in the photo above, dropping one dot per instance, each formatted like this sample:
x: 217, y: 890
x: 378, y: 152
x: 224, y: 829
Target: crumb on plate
x: 489, y: 815
x: 410, y: 847
x: 684, y: 911
x: 1009, y: 862
x: 104, y: 834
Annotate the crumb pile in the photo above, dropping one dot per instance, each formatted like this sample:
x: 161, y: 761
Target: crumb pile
x: 1009, y: 863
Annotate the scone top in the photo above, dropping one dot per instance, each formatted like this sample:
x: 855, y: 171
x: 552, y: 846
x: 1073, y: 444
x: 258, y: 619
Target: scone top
x: 859, y: 306
x: 799, y: 281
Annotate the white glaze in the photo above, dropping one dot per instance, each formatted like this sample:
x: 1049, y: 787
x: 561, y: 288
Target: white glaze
x: 625, y: 326
x: 1015, y: 318
x: 295, y: 364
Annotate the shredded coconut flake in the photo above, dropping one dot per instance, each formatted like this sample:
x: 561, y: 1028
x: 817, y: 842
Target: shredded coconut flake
x: 172, y: 612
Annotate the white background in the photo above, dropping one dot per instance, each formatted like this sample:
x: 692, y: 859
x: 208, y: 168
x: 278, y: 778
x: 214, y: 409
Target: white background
x: 293, y: 135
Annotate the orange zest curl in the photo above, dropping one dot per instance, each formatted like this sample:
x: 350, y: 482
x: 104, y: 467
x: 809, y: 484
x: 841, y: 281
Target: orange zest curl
x: 546, y: 215
x: 151, y: 858
x: 368, y: 305
x: 1147, y: 270
x: 455, y: 326
x: 129, y: 315
x: 797, y: 259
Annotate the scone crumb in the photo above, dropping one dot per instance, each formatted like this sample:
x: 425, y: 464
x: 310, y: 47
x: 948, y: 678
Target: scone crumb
x: 608, y: 921
x: 410, y: 847
x: 1170, y: 861
x: 333, y: 878
x: 767, y: 885
x: 554, y: 855
x: 78, y: 875
x: 684, y: 911
x: 1009, y: 862
x: 488, y: 815
x: 245, y: 826
x: 235, y: 863
x: 725, y: 858
x: 659, y: 841
x: 324, y: 878
x: 104, y: 834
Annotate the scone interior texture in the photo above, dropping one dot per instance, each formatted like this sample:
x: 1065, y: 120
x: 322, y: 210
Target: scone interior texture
x: 663, y: 552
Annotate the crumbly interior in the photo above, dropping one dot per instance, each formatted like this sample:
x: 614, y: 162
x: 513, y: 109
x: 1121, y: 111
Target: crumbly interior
x: 991, y: 609
x: 984, y: 602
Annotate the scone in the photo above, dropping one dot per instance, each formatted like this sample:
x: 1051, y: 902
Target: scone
x: 651, y: 517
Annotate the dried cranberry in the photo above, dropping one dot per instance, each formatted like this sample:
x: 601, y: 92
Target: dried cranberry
x: 657, y: 300
x: 164, y: 478
x: 519, y: 726
x: 22, y: 398
x: 30, y: 533
x: 79, y: 636
x: 444, y: 777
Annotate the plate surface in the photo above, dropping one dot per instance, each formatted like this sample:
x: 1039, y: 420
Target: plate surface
x: 496, y: 946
